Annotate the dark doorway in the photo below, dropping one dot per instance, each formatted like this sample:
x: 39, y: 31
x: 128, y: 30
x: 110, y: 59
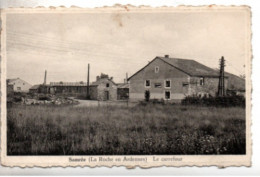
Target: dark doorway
x: 106, y: 95
x: 147, y: 95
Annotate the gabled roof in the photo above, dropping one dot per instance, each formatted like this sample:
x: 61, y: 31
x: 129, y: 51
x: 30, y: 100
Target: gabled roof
x: 190, y: 67
x: 10, y: 81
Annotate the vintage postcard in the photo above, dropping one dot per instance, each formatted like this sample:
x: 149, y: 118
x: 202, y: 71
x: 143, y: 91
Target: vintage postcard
x: 126, y: 86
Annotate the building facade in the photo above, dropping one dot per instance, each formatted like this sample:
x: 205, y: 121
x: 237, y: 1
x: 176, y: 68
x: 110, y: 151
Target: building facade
x: 18, y: 85
x: 173, y: 79
x: 103, y: 89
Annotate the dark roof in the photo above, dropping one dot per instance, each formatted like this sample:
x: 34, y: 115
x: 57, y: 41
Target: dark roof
x: 190, y: 67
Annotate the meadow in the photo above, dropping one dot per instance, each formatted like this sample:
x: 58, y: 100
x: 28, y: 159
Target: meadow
x: 116, y: 130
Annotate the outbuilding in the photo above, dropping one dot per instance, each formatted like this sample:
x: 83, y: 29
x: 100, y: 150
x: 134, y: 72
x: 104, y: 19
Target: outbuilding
x: 103, y: 89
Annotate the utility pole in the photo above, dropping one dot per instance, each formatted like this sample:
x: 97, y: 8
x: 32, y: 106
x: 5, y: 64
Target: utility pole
x: 126, y: 78
x: 221, y: 84
x: 45, y: 77
x: 88, y: 94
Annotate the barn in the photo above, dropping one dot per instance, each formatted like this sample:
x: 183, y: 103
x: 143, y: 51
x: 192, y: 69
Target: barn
x: 173, y: 79
x: 66, y: 88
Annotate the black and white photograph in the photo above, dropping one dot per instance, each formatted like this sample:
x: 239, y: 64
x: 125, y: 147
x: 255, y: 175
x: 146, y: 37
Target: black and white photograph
x: 124, y: 82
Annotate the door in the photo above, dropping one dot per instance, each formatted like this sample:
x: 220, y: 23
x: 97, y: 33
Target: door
x: 147, y: 95
x: 106, y: 95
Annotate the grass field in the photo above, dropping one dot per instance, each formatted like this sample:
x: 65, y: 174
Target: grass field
x: 115, y: 130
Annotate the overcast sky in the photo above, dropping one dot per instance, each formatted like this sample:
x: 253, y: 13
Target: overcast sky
x: 114, y: 44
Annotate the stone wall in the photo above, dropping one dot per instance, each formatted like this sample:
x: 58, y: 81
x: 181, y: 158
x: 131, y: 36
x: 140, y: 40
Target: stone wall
x: 93, y: 92
x: 106, y: 89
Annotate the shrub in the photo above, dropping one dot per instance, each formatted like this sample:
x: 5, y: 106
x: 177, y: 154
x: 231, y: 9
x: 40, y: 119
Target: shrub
x: 44, y: 97
x: 226, y: 101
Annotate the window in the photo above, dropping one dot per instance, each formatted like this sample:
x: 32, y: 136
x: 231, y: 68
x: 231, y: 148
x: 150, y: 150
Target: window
x: 202, y: 81
x: 147, y: 83
x: 184, y: 84
x: 107, y: 85
x: 167, y: 95
x: 18, y: 88
x: 156, y: 70
x: 157, y: 85
x: 168, y: 84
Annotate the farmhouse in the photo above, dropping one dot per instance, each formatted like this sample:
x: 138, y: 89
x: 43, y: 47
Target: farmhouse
x: 18, y: 85
x: 173, y: 79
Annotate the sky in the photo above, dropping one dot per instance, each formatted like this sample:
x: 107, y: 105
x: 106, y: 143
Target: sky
x: 119, y: 43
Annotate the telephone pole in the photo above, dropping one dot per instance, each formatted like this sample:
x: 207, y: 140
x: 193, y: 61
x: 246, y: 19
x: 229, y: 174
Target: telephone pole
x: 221, y: 84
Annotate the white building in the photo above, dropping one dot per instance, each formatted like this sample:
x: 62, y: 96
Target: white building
x: 19, y: 85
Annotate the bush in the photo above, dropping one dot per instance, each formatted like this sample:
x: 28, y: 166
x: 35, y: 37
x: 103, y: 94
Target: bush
x: 44, y: 97
x: 226, y: 101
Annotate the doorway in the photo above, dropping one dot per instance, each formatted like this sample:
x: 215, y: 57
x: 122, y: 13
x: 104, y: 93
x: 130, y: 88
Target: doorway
x: 106, y: 95
x: 147, y: 95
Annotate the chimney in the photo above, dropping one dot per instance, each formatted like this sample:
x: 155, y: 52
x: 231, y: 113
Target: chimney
x: 166, y: 56
x: 45, y: 78
x: 97, y: 78
x: 126, y: 77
